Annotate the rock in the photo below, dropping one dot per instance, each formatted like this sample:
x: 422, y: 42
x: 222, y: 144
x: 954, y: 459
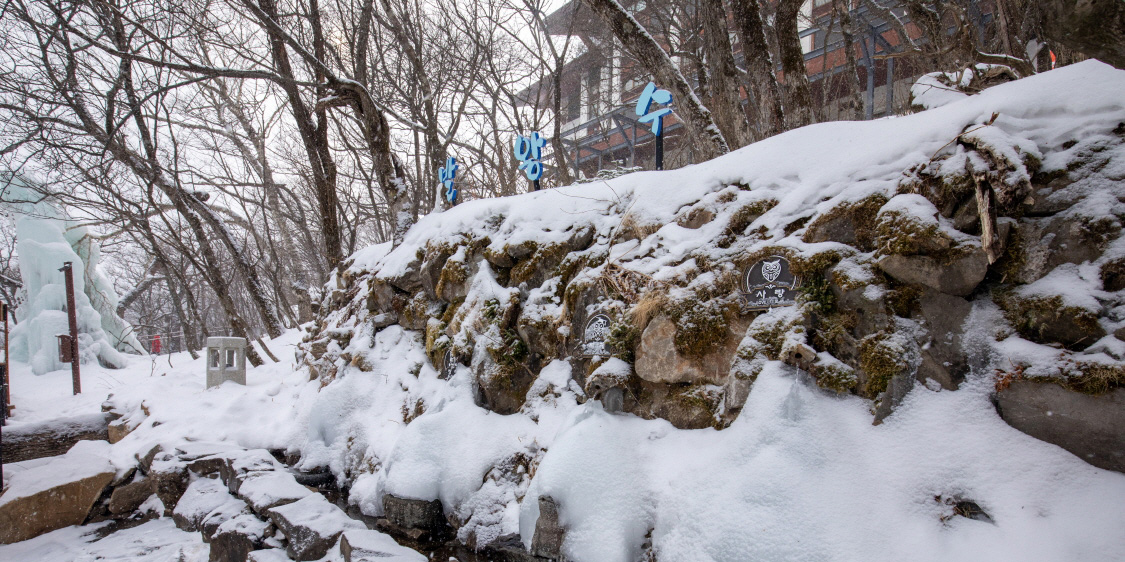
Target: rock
x: 58, y: 494
x: 685, y: 407
x: 1038, y: 246
x: 118, y: 429
x: 373, y: 546
x: 127, y: 498
x: 696, y: 218
x: 268, y: 555
x: 943, y: 358
x: 960, y: 277
x: 1045, y: 318
x: 266, y: 490
x: 201, y: 498
x: 241, y: 464
x: 1086, y: 425
x: 52, y: 438
x: 430, y: 271
x: 501, y: 388
x: 234, y: 539
x: 847, y: 223
x: 658, y: 360
x: 409, y: 279
x: 208, y: 465
x: 312, y: 526
x: 415, y: 514
x: 549, y: 534
x: 144, y: 461
x: 508, y: 548
x: 170, y: 478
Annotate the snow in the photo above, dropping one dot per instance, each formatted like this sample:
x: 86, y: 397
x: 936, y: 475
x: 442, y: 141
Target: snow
x: 154, y: 541
x: 803, y: 475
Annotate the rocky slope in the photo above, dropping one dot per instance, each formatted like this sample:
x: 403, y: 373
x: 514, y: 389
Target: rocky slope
x: 978, y: 240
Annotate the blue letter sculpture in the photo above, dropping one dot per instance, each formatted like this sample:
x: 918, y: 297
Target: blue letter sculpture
x: 644, y: 105
x: 447, y: 174
x: 528, y: 151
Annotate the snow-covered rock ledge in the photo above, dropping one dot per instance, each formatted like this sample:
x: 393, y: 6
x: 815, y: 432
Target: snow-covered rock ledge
x: 948, y: 257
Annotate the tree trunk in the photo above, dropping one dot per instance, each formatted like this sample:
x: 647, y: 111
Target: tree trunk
x: 1095, y: 28
x: 760, y: 77
x: 315, y: 140
x: 798, y: 97
x: 633, y: 36
x: 725, y: 100
x: 844, y: 17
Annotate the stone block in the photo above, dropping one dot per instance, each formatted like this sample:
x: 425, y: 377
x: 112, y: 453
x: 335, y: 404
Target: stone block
x: 236, y: 538
x: 549, y: 534
x: 270, y: 489
x: 128, y: 497
x: 414, y: 514
x: 226, y: 360
x: 372, y: 546
x: 1091, y: 427
x: 658, y: 361
x: 57, y: 494
x: 312, y: 526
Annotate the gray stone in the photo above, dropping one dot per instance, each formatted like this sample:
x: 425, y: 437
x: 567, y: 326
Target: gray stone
x: 269, y: 489
x: 226, y: 360
x: 549, y: 534
x: 236, y: 538
x: 414, y: 514
x: 1044, y: 244
x: 202, y: 497
x: 170, y: 478
x: 658, y: 360
x: 128, y: 497
x: 409, y: 279
x: 943, y: 358
x: 240, y: 465
x: 960, y: 277
x: 372, y: 546
x: 311, y: 526
x: 430, y: 271
x: 1091, y: 427
x: 53, y: 437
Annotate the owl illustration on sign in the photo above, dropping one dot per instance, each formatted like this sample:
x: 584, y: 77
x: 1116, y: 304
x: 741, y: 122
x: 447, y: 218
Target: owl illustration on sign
x: 598, y: 330
x: 770, y: 270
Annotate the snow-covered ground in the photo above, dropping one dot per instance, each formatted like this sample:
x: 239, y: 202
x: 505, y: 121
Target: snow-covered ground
x: 802, y: 475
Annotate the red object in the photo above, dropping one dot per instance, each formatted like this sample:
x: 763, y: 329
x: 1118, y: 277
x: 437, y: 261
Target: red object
x: 156, y: 343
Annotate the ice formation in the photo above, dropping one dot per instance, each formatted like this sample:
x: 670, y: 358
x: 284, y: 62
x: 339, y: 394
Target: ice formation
x: 46, y: 239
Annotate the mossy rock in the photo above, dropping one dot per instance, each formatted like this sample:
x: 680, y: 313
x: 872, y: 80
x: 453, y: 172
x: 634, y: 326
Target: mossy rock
x: 834, y: 375
x: 851, y: 223
x: 539, y: 266
x: 881, y: 357
x: 1046, y: 319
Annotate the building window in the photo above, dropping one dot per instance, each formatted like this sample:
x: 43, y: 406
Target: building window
x: 573, y: 109
x: 593, y: 91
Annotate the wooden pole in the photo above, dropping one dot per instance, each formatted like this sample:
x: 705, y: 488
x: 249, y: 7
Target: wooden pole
x: 7, y: 361
x: 72, y: 318
x: 660, y: 150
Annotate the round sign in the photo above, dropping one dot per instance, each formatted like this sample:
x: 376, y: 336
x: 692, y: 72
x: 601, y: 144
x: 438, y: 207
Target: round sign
x: 595, y: 335
x: 769, y: 283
